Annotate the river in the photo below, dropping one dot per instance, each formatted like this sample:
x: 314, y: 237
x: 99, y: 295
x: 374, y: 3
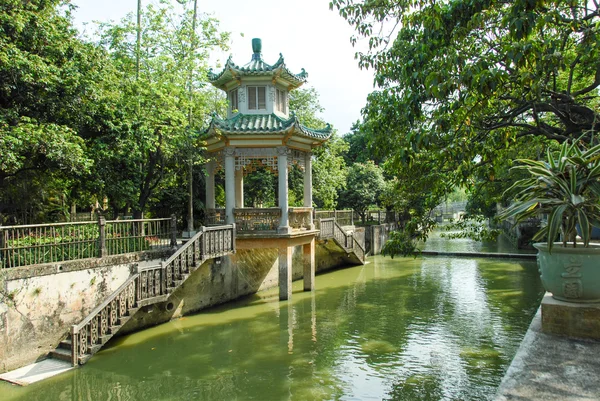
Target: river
x: 431, y: 328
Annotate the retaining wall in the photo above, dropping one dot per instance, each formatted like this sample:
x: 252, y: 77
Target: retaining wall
x: 376, y: 237
x: 38, y: 304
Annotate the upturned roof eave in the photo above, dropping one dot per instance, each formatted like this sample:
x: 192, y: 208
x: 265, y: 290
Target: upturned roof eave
x: 231, y: 71
x: 222, y: 127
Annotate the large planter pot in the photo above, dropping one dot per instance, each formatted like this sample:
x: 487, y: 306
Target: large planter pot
x: 570, y: 274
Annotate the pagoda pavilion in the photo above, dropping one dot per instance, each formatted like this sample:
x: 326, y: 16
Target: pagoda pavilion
x: 261, y: 132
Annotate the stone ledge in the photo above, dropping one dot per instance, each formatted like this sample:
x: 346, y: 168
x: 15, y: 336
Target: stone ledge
x: 578, y: 320
x: 24, y: 272
x: 552, y: 368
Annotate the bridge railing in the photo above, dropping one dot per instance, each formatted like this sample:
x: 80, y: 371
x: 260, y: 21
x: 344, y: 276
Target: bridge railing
x: 343, y: 217
x: 147, y: 286
x: 59, y: 242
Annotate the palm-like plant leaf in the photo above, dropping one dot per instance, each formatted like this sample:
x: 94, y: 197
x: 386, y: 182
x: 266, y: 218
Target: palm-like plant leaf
x: 566, y: 187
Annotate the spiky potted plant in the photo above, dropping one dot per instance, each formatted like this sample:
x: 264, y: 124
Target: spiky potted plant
x: 566, y: 188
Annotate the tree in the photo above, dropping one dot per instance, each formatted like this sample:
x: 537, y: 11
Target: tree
x: 364, y: 186
x: 50, y: 100
x: 360, y: 146
x: 329, y: 168
x: 152, y: 141
x: 329, y: 172
x: 462, y: 82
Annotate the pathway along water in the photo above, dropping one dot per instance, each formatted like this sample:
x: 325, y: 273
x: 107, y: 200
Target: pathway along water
x: 432, y: 328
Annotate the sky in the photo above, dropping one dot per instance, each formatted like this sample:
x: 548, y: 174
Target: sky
x: 306, y: 32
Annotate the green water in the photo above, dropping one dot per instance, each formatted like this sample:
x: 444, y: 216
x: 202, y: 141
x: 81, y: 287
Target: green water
x: 405, y: 329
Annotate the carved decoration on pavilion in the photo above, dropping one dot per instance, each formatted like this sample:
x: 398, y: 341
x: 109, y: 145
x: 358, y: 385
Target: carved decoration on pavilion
x: 251, y: 159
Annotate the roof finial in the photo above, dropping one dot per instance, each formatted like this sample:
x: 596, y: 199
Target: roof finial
x: 256, y: 48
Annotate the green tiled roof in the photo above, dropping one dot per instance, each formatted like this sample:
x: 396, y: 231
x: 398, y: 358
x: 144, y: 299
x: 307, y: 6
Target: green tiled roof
x: 256, y: 68
x: 265, y: 124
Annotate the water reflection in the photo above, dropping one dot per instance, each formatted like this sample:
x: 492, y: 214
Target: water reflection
x: 402, y: 329
x: 435, y: 242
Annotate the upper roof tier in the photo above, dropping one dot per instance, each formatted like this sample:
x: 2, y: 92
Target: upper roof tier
x: 278, y: 72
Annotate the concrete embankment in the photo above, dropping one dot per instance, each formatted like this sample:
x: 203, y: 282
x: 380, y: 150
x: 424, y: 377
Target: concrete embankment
x: 552, y: 368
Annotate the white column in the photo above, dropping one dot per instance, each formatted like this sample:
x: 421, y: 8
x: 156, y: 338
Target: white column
x: 308, y: 185
x: 285, y: 272
x: 308, y: 180
x: 210, y: 184
x: 239, y: 188
x: 308, y: 251
x: 282, y: 169
x: 229, y: 184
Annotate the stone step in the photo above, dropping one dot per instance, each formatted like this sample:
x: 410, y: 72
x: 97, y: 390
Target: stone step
x: 84, y: 359
x: 65, y: 344
x: 95, y: 348
x: 154, y: 300
x: 62, y: 354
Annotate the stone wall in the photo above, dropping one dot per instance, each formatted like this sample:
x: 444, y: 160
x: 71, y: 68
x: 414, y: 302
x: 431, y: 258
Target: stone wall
x: 232, y: 277
x: 41, y: 303
x: 376, y: 237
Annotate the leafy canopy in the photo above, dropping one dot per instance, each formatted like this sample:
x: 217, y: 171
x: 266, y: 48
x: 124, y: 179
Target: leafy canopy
x: 461, y: 83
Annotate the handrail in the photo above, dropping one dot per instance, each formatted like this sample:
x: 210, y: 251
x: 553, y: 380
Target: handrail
x: 68, y: 223
x: 105, y: 303
x: 138, y: 220
x: 183, y: 248
x: 148, y: 285
x: 216, y: 228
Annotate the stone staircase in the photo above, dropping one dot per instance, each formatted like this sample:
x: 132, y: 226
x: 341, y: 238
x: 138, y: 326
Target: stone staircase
x: 330, y: 229
x: 149, y: 285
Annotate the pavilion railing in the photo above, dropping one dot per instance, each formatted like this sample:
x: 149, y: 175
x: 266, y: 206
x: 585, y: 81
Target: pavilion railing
x: 59, y: 242
x: 257, y: 219
x: 300, y: 218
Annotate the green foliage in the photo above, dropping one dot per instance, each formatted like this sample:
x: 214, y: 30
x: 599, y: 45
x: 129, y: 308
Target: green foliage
x: 155, y: 134
x: 329, y: 172
x: 566, y: 187
x: 304, y: 102
x: 260, y: 187
x: 364, y: 185
x: 48, y: 96
x: 360, y: 146
x: 463, y: 84
x: 475, y: 227
x: 400, y: 243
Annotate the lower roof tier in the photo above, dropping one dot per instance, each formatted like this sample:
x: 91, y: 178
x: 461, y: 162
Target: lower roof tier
x: 264, y: 130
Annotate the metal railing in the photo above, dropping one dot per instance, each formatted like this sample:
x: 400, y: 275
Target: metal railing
x: 147, y: 286
x: 348, y: 240
x: 257, y: 219
x: 50, y: 243
x: 326, y: 226
x: 343, y: 217
x: 380, y: 216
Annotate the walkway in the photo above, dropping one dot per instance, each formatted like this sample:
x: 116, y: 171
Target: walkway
x: 549, y: 368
